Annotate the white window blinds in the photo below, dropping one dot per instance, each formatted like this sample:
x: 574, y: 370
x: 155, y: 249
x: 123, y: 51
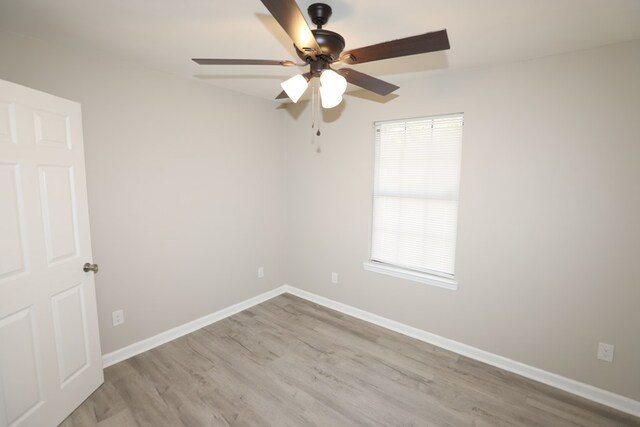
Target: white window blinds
x: 415, y: 199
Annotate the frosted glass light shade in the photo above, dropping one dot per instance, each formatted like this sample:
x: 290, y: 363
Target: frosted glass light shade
x: 329, y: 98
x: 332, y: 87
x: 295, y: 87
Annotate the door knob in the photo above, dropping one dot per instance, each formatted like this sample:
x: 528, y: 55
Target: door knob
x: 90, y: 267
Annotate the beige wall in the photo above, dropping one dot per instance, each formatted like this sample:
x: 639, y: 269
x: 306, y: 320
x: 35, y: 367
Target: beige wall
x: 185, y: 182
x: 548, y: 256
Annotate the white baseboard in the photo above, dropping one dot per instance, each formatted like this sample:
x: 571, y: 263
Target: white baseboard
x: 587, y: 391
x: 173, y: 333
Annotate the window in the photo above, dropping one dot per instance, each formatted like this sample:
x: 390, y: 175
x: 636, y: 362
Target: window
x: 415, y: 199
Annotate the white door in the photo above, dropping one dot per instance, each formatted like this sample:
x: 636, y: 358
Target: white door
x: 49, y: 346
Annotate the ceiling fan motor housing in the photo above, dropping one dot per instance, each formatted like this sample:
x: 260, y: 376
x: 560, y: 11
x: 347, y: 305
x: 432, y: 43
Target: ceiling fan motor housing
x: 331, y: 44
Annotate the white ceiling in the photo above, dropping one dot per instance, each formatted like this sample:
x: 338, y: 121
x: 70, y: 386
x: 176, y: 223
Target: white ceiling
x: 165, y: 34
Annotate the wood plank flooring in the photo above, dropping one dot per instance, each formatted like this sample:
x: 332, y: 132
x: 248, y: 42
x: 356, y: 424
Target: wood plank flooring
x: 289, y: 362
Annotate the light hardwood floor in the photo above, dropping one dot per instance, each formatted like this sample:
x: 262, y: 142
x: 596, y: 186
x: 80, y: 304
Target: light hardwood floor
x: 289, y: 362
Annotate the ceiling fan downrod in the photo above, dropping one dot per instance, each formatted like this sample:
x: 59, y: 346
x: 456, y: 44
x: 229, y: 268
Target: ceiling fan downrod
x: 319, y: 13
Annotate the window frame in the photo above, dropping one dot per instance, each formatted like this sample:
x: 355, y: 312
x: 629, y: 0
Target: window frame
x: 426, y: 276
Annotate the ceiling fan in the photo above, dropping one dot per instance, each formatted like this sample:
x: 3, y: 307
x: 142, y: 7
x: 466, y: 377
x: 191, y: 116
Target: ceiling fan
x: 320, y: 49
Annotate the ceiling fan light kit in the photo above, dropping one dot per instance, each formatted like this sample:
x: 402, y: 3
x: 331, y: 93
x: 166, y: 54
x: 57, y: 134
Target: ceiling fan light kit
x: 320, y: 49
x: 332, y: 87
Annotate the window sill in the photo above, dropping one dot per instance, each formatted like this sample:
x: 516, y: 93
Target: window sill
x: 429, y: 279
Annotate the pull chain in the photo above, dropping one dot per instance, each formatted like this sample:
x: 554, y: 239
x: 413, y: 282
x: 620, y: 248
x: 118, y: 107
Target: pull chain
x: 316, y: 116
x: 319, y: 116
x: 313, y: 111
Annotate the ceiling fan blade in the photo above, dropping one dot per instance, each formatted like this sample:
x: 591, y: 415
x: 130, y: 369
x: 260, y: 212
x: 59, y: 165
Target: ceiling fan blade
x: 367, y: 82
x: 211, y: 61
x: 290, y: 18
x: 429, y: 42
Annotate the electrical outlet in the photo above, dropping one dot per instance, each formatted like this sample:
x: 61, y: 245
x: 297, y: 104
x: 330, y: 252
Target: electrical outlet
x: 118, y: 317
x: 605, y: 352
x: 260, y: 272
x: 334, y: 277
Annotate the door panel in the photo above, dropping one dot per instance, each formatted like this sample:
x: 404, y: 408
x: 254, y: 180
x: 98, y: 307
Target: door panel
x: 7, y: 124
x: 51, y: 129
x: 12, y: 243
x: 19, y: 370
x: 58, y: 211
x: 69, y: 323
